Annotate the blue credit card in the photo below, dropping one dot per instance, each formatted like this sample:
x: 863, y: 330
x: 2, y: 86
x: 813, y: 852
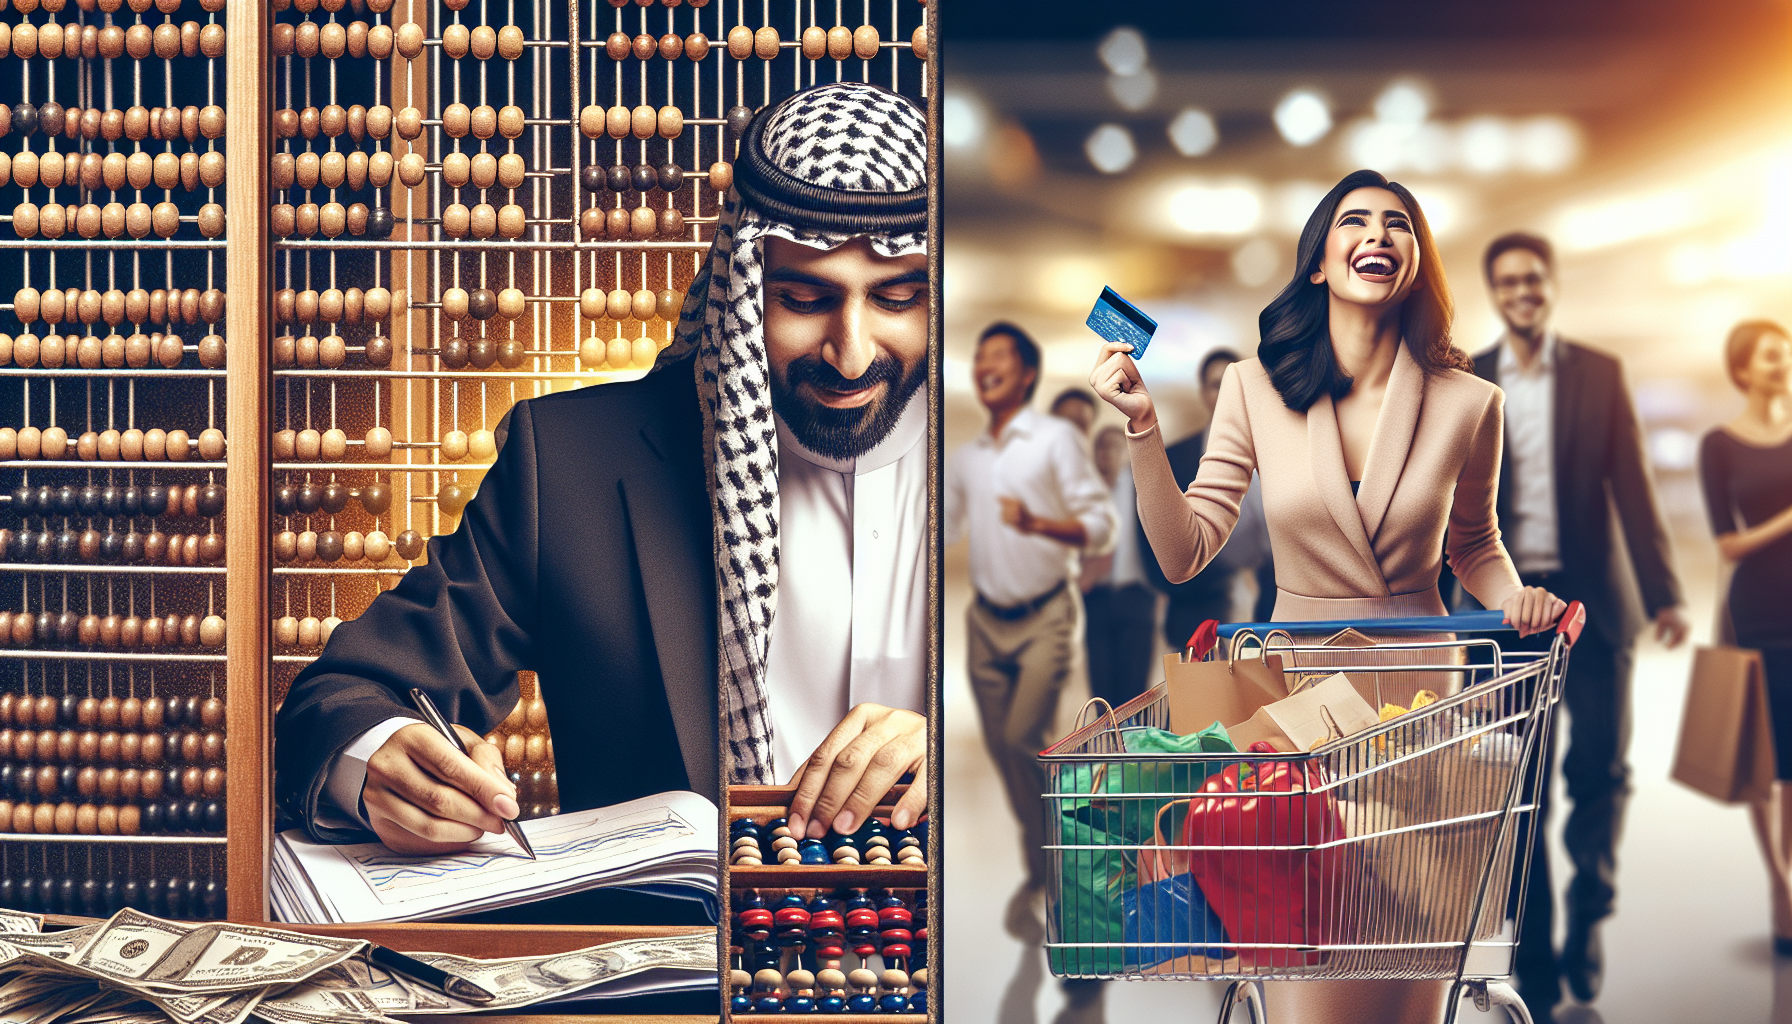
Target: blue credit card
x: 1116, y: 319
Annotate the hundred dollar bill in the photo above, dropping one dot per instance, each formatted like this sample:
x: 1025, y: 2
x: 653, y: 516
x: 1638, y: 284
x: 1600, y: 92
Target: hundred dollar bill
x: 150, y: 953
x: 14, y: 923
x: 61, y: 945
x: 516, y: 982
x: 310, y: 1004
x: 520, y: 981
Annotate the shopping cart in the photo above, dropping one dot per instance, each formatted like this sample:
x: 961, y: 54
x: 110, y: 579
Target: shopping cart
x: 1385, y: 854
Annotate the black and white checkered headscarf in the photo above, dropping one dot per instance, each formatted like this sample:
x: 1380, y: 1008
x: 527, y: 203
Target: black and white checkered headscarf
x: 825, y: 166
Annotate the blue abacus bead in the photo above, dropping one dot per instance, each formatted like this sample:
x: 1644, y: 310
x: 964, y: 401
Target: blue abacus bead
x: 858, y: 900
x: 814, y: 855
x: 768, y: 1004
x: 833, y: 1004
x: 892, y: 1003
x: 917, y: 1003
x: 862, y: 1004
x: 741, y: 1003
x: 799, y: 1004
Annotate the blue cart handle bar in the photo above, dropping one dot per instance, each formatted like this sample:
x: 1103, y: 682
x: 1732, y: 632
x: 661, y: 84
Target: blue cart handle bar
x: 1210, y: 632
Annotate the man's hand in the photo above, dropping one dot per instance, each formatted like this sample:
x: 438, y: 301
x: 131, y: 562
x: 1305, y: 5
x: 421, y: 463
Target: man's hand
x: 424, y: 796
x: 1015, y: 514
x: 854, y: 768
x: 1671, y: 627
x: 1070, y: 532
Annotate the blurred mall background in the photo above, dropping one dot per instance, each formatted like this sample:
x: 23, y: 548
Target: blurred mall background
x: 1173, y: 151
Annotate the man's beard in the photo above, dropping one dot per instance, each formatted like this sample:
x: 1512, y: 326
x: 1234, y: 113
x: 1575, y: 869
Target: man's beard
x: 844, y: 434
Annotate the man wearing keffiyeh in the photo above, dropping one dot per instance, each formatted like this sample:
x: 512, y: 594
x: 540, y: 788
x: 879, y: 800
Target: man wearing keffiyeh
x: 757, y: 543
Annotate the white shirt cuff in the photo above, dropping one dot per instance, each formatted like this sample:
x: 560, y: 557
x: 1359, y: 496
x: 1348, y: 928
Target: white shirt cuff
x: 348, y: 771
x: 1147, y: 432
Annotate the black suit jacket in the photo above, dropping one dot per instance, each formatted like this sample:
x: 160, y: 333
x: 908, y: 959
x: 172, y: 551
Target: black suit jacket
x: 587, y: 556
x: 1605, y: 497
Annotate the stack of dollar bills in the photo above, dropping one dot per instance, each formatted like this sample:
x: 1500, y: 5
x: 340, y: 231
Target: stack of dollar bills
x: 137, y: 969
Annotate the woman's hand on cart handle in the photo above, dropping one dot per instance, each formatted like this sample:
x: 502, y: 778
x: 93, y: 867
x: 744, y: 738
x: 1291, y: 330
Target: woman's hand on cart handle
x: 1116, y: 379
x: 1532, y: 610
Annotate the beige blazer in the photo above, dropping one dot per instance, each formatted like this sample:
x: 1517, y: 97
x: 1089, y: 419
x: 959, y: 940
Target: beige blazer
x: 1434, y: 462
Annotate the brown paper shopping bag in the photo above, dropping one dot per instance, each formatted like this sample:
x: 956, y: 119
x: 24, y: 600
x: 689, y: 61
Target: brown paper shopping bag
x: 1726, y: 740
x: 1297, y: 723
x: 1205, y: 692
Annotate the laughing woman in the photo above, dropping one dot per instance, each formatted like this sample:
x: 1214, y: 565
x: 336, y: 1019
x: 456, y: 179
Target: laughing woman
x: 1371, y: 438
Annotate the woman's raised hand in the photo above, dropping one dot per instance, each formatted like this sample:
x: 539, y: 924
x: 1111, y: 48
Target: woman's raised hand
x: 1533, y: 610
x: 1116, y: 379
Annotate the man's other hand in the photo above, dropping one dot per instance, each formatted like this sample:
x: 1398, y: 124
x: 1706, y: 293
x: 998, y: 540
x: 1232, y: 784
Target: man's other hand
x: 1671, y: 627
x: 854, y: 768
x: 425, y: 796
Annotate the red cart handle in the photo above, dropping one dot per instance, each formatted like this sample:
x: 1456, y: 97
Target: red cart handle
x: 1574, y: 619
x: 1205, y: 637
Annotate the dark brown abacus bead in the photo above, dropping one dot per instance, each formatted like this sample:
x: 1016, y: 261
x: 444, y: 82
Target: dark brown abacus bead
x: 192, y: 781
x: 190, y: 747
x: 109, y: 747
x: 152, y: 782
x: 130, y: 747
x: 68, y: 746
x: 87, y: 746
x: 109, y: 712
x: 108, y: 784
x: 213, y: 782
x: 152, y: 714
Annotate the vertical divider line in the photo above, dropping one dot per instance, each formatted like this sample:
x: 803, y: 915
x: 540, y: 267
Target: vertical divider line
x: 249, y: 726
x: 936, y: 767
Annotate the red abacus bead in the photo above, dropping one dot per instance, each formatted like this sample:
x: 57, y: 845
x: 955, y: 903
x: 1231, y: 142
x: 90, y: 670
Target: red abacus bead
x: 829, y: 952
x: 896, y: 949
x: 889, y: 935
x: 861, y: 918
x: 790, y: 917
x: 822, y: 919
x: 920, y: 935
x: 750, y: 918
x: 865, y: 949
x: 887, y: 914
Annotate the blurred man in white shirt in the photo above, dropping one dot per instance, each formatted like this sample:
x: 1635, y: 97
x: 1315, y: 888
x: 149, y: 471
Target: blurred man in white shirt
x: 1027, y: 496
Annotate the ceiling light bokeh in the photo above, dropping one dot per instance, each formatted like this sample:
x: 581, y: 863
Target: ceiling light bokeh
x: 1110, y: 149
x: 1303, y: 117
x: 1123, y: 51
x: 1199, y: 209
x: 1193, y: 132
x: 1135, y: 91
x: 964, y: 118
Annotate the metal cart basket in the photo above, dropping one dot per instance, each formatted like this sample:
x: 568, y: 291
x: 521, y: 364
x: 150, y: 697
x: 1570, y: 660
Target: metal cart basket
x: 1385, y: 854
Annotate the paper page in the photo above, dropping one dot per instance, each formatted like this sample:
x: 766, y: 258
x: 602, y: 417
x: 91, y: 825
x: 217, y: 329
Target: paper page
x: 664, y: 835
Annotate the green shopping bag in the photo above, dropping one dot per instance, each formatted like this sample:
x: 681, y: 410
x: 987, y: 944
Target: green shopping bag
x: 1110, y: 825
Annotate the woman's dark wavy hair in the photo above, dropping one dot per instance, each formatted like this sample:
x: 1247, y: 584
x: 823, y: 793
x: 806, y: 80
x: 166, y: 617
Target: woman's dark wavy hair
x: 1295, y: 344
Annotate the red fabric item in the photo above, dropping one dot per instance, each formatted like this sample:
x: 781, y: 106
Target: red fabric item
x: 1282, y: 897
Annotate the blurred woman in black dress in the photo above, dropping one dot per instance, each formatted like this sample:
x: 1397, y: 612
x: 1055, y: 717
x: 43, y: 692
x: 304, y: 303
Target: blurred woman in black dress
x: 1746, y: 468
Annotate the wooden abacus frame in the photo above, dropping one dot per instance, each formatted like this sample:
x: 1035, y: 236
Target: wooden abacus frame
x: 249, y: 736
x: 763, y: 803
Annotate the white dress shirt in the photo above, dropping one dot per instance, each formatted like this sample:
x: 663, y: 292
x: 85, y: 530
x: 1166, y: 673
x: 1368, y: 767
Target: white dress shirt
x: 1530, y: 449
x: 851, y: 620
x: 1041, y: 461
x: 1127, y: 568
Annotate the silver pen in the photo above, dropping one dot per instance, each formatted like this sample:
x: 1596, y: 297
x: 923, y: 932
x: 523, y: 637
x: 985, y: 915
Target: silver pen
x: 434, y: 718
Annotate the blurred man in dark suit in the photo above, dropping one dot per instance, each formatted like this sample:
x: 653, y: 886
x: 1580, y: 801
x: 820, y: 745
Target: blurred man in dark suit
x: 1574, y: 467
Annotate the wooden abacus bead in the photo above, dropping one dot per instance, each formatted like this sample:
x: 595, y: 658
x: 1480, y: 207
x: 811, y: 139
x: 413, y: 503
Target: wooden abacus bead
x: 409, y: 40
x: 378, y: 546
x: 212, y: 782
x: 310, y: 631
x: 510, y: 122
x: 408, y: 544
x: 308, y: 445
x: 669, y: 122
x: 696, y: 46
x: 180, y: 446
x: 456, y: 40
x: 211, y: 443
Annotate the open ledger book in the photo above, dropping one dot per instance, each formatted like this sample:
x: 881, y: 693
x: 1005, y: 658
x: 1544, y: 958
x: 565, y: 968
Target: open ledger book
x: 663, y: 844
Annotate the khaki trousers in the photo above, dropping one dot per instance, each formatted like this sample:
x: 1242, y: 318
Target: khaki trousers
x: 1018, y: 668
